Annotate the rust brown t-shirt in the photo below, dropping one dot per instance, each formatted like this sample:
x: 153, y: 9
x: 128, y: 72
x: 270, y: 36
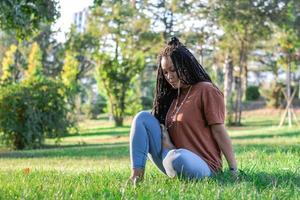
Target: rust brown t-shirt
x: 204, y: 106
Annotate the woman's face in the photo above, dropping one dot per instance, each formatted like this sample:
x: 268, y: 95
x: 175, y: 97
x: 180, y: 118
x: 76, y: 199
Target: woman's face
x: 170, y: 72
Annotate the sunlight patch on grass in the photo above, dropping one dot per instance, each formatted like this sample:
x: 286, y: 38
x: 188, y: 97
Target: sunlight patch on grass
x: 65, y: 165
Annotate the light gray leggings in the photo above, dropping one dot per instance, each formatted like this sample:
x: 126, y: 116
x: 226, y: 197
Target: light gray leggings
x: 146, y: 139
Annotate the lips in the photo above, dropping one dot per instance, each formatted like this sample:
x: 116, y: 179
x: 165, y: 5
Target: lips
x: 173, y: 84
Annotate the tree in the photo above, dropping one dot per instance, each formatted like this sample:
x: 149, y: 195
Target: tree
x: 228, y: 83
x: 124, y: 43
x: 77, y: 68
x: 52, y: 50
x: 8, y: 65
x: 289, y: 43
x: 244, y: 22
x: 35, y: 68
x: 171, y: 15
x: 83, y: 45
x: 24, y: 17
x: 51, y: 60
x: 32, y: 111
x: 70, y: 72
x: 6, y: 39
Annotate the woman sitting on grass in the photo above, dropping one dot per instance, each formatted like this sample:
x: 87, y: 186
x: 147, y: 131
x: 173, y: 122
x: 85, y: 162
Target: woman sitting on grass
x: 185, y: 134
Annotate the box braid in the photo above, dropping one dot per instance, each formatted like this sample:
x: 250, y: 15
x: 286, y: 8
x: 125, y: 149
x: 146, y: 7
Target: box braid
x: 188, y: 70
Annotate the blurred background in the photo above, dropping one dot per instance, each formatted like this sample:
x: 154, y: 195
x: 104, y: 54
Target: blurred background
x: 65, y: 63
x: 73, y: 73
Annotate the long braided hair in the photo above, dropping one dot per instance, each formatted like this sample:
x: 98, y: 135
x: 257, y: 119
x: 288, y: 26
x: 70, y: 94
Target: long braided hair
x: 188, y: 70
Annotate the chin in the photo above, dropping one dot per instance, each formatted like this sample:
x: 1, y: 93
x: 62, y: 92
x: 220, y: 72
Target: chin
x: 174, y: 86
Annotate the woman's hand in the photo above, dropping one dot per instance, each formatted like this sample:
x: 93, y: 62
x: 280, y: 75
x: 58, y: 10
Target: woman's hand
x: 234, y: 174
x: 166, y: 142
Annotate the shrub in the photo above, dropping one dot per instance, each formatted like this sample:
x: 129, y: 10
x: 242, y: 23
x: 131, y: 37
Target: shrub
x: 252, y: 93
x: 93, y: 109
x: 273, y: 94
x: 147, y: 102
x: 31, y: 111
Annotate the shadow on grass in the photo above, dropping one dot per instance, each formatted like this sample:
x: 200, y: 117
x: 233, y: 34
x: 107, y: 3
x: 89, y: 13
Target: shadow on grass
x: 103, y: 131
x: 98, y: 151
x: 261, y: 180
x: 258, y: 179
x: 288, y: 134
x: 262, y: 123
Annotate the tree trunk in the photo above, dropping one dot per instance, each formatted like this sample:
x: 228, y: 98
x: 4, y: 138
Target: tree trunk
x: 18, y: 142
x: 228, y: 82
x: 240, y: 89
x: 238, y: 101
x: 288, y: 92
x: 118, y: 121
x: 245, y: 80
x: 117, y: 114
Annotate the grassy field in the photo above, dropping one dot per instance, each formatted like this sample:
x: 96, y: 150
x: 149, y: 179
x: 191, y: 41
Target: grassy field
x: 95, y: 165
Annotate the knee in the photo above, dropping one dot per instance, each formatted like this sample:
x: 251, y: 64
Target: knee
x: 183, y: 163
x: 170, y: 163
x: 142, y: 115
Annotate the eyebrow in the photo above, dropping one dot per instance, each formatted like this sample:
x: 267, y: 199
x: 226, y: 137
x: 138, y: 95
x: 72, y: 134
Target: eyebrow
x: 170, y: 68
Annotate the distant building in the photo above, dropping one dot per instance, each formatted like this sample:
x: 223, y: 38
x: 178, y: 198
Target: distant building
x: 80, y: 20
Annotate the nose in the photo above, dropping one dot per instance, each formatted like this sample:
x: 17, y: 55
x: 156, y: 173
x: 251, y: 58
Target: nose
x: 169, y: 76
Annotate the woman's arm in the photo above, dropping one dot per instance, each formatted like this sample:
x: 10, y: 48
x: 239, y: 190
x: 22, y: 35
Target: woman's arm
x: 221, y: 136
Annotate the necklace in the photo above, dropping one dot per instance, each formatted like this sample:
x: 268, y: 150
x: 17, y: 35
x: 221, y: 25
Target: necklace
x: 176, y: 109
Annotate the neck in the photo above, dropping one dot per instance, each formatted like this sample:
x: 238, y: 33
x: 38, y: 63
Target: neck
x: 184, y: 89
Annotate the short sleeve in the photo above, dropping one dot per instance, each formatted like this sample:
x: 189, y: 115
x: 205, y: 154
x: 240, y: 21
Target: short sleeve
x: 213, y: 105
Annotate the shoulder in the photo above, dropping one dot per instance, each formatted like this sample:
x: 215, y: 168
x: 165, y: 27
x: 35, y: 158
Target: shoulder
x: 203, y: 85
x: 207, y: 87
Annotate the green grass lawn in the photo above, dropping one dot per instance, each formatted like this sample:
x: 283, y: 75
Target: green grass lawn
x: 94, y: 164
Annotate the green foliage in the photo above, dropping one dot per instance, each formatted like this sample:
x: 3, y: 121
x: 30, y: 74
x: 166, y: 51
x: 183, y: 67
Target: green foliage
x: 24, y: 17
x: 79, y: 49
x: 6, y: 39
x: 289, y: 19
x: 133, y: 100
x: 245, y: 18
x: 31, y: 111
x: 82, y: 46
x: 116, y: 77
x: 289, y: 43
x: 8, y: 63
x: 244, y: 23
x: 52, y: 50
x: 147, y: 102
x: 252, y: 93
x: 35, y: 68
x: 273, y: 94
x: 120, y: 60
x: 70, y: 72
x: 94, y: 108
x: 81, y: 43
